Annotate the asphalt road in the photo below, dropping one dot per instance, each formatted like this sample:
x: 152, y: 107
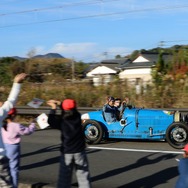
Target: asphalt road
x: 130, y: 164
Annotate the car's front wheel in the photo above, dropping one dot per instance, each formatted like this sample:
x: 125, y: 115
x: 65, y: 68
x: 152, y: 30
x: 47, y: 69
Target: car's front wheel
x: 93, y: 132
x: 177, y: 135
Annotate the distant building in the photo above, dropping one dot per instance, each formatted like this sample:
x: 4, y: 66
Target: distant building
x: 137, y: 72
x: 105, y: 71
x: 140, y: 69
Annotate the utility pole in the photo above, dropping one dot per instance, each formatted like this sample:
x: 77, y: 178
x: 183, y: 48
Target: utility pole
x: 73, y: 69
x: 106, y: 55
x: 161, y: 43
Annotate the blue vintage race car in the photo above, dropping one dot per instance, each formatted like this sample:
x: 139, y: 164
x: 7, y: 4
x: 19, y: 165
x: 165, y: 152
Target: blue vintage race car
x: 138, y: 123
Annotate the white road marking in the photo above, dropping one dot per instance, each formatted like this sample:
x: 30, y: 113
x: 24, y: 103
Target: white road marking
x: 136, y: 150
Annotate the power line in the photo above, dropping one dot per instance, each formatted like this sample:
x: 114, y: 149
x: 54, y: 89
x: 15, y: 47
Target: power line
x: 58, y: 7
x: 169, y: 41
x: 98, y: 15
x: 6, y: 3
x: 164, y: 43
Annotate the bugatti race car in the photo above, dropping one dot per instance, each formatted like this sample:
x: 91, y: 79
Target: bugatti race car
x: 138, y: 123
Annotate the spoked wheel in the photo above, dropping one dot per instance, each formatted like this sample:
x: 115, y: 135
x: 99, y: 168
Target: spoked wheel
x: 177, y: 135
x: 93, y: 132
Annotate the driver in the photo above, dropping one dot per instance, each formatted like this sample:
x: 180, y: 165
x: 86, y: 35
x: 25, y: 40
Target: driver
x: 110, y: 111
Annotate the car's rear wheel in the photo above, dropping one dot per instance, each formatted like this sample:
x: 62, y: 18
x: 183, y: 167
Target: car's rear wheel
x: 93, y: 132
x: 177, y: 135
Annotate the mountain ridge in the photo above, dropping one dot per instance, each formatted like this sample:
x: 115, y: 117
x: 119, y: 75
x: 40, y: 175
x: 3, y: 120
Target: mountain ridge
x: 45, y: 56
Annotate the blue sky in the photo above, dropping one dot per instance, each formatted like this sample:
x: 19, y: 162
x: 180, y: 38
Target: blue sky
x: 90, y: 30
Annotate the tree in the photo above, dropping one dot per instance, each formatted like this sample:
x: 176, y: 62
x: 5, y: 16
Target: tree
x: 5, y: 70
x: 159, y: 71
x: 134, y: 55
x: 179, y: 66
x: 18, y: 67
x: 80, y: 67
x: 117, y: 56
x: 32, y: 53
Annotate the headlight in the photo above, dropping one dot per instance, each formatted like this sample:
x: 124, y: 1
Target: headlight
x: 85, y: 116
x: 168, y: 112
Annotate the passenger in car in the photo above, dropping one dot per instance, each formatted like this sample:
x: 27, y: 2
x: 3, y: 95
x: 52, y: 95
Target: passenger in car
x: 120, y: 105
x: 110, y: 111
x: 117, y: 102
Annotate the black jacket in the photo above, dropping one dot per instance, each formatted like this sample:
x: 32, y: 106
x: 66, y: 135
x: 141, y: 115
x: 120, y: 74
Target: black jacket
x: 72, y: 135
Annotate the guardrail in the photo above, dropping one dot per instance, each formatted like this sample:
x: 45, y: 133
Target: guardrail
x: 26, y: 110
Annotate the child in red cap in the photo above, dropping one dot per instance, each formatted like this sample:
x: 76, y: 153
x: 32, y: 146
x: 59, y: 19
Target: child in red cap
x: 68, y: 104
x: 73, y: 153
x: 182, y: 181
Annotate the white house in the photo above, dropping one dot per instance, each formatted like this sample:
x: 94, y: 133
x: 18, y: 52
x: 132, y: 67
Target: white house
x: 105, y: 71
x: 138, y: 70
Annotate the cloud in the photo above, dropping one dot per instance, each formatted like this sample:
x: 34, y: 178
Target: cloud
x: 79, y: 51
x: 71, y: 48
x: 123, y: 51
x: 111, y: 52
x: 86, y: 51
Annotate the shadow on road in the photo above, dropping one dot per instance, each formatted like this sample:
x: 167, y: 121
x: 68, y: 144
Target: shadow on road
x: 49, y: 161
x: 149, y: 181
x: 41, y: 163
x: 43, y: 150
x: 155, y: 179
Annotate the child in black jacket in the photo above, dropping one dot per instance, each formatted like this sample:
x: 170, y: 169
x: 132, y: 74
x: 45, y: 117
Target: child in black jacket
x: 73, y: 143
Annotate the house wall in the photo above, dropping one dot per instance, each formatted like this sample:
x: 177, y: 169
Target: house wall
x: 102, y: 79
x: 101, y: 75
x: 134, y: 74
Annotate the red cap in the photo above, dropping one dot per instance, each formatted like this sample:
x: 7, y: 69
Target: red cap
x: 185, y: 148
x: 68, y: 104
x: 13, y: 111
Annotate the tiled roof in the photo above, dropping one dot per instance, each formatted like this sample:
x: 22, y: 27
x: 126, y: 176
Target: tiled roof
x: 114, y: 64
x: 153, y: 57
x: 152, y: 60
x: 138, y: 65
x: 125, y: 63
x: 118, y: 61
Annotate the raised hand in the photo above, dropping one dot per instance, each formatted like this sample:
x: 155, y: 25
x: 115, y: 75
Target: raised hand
x: 19, y: 78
